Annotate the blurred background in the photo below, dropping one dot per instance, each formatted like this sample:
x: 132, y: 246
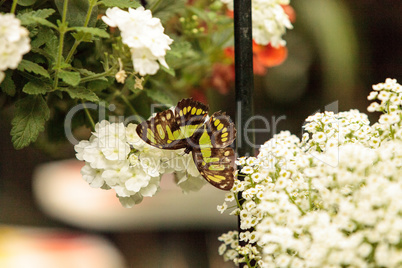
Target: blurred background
x: 336, y: 51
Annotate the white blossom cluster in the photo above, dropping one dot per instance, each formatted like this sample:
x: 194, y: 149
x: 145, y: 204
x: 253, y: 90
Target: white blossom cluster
x: 14, y: 43
x: 327, y: 130
x: 117, y: 158
x: 144, y: 35
x: 269, y: 21
x: 390, y: 96
x: 317, y: 203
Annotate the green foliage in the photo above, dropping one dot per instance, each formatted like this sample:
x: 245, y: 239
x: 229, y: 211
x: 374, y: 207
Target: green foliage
x: 44, y: 35
x: 8, y: 86
x: 51, y: 47
x: 36, y: 87
x: 28, y: 17
x: 77, y: 11
x: 26, y: 3
x: 160, y: 96
x: 83, y: 36
x: 121, y: 3
x: 92, y: 31
x: 30, y: 66
x: 41, y: 21
x: 76, y: 58
x: 31, y: 113
x: 166, y: 9
x: 71, y: 78
x: 82, y: 93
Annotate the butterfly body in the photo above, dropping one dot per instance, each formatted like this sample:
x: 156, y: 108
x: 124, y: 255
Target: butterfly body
x: 186, y: 127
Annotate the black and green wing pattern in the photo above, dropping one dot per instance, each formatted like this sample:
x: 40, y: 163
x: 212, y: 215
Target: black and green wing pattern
x: 186, y: 127
x: 170, y: 129
x: 211, y: 155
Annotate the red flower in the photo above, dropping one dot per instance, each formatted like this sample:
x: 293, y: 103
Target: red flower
x: 267, y: 56
x: 199, y: 95
x: 263, y: 57
x: 222, y: 77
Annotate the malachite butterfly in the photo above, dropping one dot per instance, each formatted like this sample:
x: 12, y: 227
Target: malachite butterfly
x: 186, y: 126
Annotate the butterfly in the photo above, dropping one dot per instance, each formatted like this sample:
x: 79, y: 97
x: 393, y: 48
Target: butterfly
x: 186, y: 126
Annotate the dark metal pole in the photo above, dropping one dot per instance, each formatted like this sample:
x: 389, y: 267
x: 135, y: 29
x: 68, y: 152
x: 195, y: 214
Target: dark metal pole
x: 244, y: 83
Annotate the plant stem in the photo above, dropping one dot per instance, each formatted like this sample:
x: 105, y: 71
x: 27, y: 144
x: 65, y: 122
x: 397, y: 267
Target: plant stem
x: 128, y: 104
x: 72, y: 50
x: 155, y: 5
x: 96, y: 76
x: 92, y: 4
x: 294, y: 203
x: 310, y: 200
x: 14, y: 6
x: 239, y: 205
x: 91, y: 120
x: 62, y: 31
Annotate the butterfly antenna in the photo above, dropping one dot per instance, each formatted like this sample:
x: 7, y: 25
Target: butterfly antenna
x: 167, y: 160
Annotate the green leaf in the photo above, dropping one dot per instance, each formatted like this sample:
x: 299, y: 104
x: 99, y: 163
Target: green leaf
x: 71, y: 78
x: 38, y: 17
x: 8, y: 86
x: 93, y: 31
x: 85, y: 72
x: 36, y: 87
x: 29, y: 66
x: 99, y: 85
x: 43, y: 36
x: 159, y: 96
x: 51, y: 47
x: 88, y: 73
x: 83, y: 37
x: 168, y: 70
x: 26, y: 3
x: 81, y: 93
x: 179, y: 48
x: 166, y: 9
x: 121, y: 3
x: 77, y: 12
x: 43, y: 22
x: 31, y: 113
x: 27, y: 18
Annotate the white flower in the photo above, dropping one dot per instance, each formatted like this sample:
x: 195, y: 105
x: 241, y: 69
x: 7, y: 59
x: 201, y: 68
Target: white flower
x: 229, y: 197
x: 110, y: 162
x: 145, y: 62
x: 247, y: 170
x: 14, y: 42
x: 222, y: 208
x: 333, y: 200
x: 269, y: 21
x: 92, y: 176
x: 144, y: 35
x: 189, y: 183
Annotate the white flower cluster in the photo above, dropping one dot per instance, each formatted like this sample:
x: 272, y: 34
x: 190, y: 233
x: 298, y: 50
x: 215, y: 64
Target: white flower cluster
x: 117, y: 158
x: 317, y: 203
x: 327, y: 130
x: 143, y: 34
x: 390, y: 96
x: 14, y: 43
x: 269, y: 21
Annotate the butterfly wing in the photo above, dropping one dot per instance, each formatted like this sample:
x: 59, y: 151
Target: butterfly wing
x: 216, y: 166
x: 221, y: 130
x: 190, y: 116
x: 170, y: 129
x: 214, y: 161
